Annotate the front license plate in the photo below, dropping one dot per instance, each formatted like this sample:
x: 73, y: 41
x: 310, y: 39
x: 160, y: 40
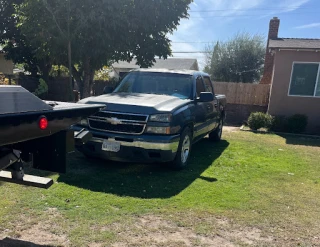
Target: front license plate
x: 111, y: 146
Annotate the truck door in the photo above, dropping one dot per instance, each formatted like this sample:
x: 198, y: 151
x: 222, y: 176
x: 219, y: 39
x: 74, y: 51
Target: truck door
x: 201, y: 127
x: 212, y: 107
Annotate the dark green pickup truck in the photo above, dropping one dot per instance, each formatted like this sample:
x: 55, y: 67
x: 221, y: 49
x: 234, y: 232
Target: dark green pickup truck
x: 154, y: 116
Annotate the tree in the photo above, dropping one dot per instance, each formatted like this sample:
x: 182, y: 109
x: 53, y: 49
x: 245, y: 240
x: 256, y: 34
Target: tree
x: 15, y: 44
x: 100, y: 31
x: 240, y: 59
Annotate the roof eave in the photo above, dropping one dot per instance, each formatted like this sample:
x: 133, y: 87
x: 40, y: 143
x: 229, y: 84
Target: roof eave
x: 294, y: 49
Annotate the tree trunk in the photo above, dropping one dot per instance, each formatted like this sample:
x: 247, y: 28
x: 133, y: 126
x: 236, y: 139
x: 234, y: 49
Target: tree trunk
x: 86, y: 83
x: 70, y: 87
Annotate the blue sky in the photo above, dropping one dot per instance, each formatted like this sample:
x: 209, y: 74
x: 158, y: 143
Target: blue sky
x: 212, y: 20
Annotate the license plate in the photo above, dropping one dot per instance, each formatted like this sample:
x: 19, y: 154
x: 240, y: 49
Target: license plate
x: 111, y: 146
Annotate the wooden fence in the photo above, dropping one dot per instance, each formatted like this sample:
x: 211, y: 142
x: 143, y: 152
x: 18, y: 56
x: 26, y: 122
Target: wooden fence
x: 244, y: 93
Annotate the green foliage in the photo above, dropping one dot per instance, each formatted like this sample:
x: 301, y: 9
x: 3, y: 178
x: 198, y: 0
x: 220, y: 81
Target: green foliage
x: 240, y: 59
x: 297, y: 123
x: 279, y: 124
x: 258, y: 120
x: 14, y: 43
x: 100, y: 31
x: 293, y: 124
x: 42, y: 88
x: 102, y: 74
x: 59, y: 71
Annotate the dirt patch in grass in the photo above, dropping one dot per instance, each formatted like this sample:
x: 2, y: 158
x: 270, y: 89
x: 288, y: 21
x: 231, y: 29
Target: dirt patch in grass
x: 45, y: 232
x: 230, y: 129
x: 155, y: 231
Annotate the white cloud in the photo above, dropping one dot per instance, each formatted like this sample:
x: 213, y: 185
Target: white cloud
x: 196, y: 29
x: 291, y: 5
x: 311, y: 25
x: 193, y: 28
x: 286, y: 6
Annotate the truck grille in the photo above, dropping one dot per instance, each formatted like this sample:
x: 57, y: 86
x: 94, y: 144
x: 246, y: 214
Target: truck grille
x: 118, y: 122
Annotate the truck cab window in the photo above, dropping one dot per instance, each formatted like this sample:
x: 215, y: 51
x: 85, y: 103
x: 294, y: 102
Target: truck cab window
x: 208, y: 84
x: 200, y: 86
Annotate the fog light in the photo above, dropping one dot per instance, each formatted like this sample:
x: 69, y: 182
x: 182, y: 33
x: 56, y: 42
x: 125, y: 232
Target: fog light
x: 84, y: 122
x: 158, y: 130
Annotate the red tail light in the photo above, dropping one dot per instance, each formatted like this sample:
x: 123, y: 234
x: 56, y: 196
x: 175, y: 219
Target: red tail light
x: 43, y: 123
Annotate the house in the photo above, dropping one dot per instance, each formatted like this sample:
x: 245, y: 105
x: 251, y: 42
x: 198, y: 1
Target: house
x: 292, y: 67
x: 6, y: 66
x: 121, y: 68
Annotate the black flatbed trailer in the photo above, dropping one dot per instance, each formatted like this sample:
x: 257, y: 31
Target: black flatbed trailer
x: 37, y: 132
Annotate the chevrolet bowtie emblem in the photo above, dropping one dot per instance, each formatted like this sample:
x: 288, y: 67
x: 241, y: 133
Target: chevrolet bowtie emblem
x: 114, y: 121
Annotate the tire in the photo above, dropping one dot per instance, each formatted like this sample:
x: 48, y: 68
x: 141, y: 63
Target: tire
x: 184, y: 149
x: 217, y: 133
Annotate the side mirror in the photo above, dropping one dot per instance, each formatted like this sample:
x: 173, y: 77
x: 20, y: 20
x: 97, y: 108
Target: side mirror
x: 107, y: 90
x: 206, y: 97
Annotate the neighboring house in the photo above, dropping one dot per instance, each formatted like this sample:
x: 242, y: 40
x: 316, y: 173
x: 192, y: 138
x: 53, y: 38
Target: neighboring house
x: 6, y: 66
x: 292, y: 67
x: 122, y: 68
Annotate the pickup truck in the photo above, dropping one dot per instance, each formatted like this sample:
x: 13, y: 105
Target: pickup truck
x: 154, y: 115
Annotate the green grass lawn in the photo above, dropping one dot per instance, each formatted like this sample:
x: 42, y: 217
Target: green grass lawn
x: 249, y: 189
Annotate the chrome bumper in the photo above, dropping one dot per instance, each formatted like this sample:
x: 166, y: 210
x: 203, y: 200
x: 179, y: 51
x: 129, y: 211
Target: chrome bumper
x: 169, y: 146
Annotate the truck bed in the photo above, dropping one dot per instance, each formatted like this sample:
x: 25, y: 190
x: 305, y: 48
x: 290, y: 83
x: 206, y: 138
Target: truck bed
x: 20, y: 112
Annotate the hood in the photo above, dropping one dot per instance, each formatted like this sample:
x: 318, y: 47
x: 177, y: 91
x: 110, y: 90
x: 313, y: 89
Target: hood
x: 137, y: 103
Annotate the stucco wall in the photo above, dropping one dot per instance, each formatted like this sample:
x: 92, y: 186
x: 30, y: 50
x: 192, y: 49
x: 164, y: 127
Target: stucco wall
x: 280, y: 102
x: 6, y: 66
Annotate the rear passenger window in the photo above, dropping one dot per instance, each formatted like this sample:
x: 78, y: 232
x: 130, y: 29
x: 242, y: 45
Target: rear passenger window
x: 200, y: 86
x: 208, y: 84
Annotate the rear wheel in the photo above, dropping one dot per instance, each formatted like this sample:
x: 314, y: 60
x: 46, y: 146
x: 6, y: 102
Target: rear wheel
x: 217, y: 133
x: 184, y: 149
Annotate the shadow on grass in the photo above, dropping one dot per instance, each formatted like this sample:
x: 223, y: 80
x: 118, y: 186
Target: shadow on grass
x: 8, y: 242
x: 141, y: 181
x: 301, y: 140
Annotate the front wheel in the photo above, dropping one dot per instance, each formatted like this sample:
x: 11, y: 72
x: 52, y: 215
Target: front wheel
x: 184, y: 149
x: 217, y: 133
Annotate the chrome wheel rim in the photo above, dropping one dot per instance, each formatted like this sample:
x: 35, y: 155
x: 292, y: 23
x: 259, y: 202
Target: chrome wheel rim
x: 185, y: 149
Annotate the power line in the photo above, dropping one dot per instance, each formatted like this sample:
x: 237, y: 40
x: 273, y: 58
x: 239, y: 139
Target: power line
x: 235, y: 15
x: 255, y: 9
x: 191, y: 52
x: 191, y: 42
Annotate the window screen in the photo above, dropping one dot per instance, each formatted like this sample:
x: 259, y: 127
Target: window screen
x: 304, y: 77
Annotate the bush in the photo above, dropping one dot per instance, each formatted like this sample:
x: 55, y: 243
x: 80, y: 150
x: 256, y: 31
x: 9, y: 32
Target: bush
x: 279, y: 124
x: 297, y: 123
x: 258, y: 120
x: 42, y: 88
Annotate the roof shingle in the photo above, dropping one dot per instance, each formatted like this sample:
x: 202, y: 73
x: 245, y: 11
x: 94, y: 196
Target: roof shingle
x: 292, y: 43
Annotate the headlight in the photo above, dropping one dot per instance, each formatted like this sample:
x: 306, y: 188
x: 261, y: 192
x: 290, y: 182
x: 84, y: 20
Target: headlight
x: 166, y: 118
x: 84, y: 122
x: 158, y: 130
x: 162, y: 130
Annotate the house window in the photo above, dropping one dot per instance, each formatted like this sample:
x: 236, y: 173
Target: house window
x: 305, y: 80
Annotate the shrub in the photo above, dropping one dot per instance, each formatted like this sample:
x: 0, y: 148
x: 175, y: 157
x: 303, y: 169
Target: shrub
x: 42, y: 88
x: 297, y: 123
x: 279, y: 124
x: 258, y: 120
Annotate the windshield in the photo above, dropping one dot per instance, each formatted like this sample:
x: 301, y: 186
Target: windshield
x: 177, y: 85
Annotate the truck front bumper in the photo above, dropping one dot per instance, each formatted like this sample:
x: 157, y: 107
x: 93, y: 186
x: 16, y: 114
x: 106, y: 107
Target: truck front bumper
x: 141, y: 148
